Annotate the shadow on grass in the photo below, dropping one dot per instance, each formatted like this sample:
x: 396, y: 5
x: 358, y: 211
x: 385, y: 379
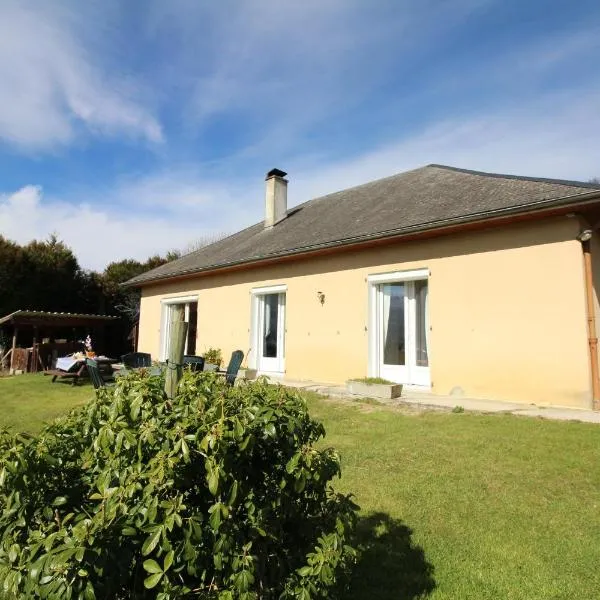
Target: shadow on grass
x: 391, y: 567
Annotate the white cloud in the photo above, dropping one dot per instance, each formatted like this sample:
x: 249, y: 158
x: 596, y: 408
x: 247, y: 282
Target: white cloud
x: 97, y: 235
x: 145, y: 217
x: 555, y: 137
x: 266, y: 63
x: 280, y: 68
x: 51, y: 85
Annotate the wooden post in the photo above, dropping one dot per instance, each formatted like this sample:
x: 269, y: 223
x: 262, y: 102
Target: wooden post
x: 177, y: 336
x: 34, y: 350
x: 14, y: 345
x: 5, y: 358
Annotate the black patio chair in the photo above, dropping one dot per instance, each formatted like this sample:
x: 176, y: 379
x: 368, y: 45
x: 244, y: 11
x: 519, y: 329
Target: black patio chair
x: 95, y: 375
x: 136, y: 360
x: 195, y: 363
x: 235, y: 362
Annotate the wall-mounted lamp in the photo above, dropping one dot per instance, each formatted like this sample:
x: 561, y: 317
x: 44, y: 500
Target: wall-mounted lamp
x: 585, y: 235
x: 321, y: 297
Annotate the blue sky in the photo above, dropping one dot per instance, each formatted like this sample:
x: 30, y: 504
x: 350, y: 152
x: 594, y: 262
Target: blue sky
x: 129, y: 128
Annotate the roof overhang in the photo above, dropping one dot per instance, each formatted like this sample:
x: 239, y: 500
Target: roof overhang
x: 38, y: 318
x: 533, y: 211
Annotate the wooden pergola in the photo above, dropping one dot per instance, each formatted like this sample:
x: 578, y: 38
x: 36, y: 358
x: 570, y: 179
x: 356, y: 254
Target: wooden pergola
x: 36, y: 319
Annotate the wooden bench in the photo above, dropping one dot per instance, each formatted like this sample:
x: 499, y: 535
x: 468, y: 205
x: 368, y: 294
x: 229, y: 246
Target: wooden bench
x: 74, y: 375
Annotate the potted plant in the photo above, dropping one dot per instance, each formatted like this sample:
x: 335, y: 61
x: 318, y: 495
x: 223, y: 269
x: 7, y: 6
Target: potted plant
x: 213, y: 359
x: 374, y: 387
x: 89, y: 351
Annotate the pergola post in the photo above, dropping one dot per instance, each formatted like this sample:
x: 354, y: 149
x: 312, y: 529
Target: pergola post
x: 14, y: 345
x: 34, y: 351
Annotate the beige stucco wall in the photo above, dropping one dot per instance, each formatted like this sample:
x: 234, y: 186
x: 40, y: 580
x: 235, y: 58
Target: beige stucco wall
x: 507, y: 312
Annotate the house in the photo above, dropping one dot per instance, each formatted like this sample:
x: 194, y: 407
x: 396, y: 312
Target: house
x: 449, y: 280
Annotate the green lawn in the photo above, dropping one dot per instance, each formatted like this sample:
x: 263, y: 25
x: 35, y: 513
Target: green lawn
x: 29, y: 401
x: 470, y: 506
x: 454, y: 506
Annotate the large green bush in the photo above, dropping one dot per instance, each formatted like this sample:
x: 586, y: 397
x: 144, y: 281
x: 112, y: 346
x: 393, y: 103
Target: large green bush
x: 219, y: 493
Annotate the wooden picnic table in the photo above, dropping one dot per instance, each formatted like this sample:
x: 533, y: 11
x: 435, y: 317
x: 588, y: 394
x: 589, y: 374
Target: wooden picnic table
x: 76, y: 368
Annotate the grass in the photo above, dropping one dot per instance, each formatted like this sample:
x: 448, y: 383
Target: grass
x: 29, y: 401
x: 461, y: 506
x: 454, y: 505
x: 372, y: 380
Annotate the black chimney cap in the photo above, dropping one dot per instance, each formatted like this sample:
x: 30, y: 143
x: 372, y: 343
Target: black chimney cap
x: 276, y: 173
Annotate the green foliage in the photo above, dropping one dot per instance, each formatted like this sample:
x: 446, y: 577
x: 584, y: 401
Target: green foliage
x: 458, y: 409
x: 13, y: 272
x: 127, y: 300
x: 373, y: 380
x: 45, y: 275
x: 219, y: 493
x: 213, y: 356
x: 41, y: 275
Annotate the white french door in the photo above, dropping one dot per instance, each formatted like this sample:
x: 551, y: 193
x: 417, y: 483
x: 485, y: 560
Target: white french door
x: 190, y: 304
x: 269, y: 332
x: 401, y: 337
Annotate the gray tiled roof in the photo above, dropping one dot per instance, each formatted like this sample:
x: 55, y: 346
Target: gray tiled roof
x: 425, y: 198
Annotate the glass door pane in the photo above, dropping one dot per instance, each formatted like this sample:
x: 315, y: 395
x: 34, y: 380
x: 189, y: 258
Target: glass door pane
x: 421, y: 324
x: 192, y: 327
x: 269, y: 332
x: 270, y: 325
x: 394, y: 339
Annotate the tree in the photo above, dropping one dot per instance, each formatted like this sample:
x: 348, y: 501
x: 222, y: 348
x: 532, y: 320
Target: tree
x: 12, y: 276
x: 203, y: 241
x: 54, y: 276
x: 43, y: 275
x: 127, y: 300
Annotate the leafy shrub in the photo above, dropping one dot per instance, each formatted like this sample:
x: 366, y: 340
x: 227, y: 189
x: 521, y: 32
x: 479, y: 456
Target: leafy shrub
x: 218, y: 493
x: 213, y: 356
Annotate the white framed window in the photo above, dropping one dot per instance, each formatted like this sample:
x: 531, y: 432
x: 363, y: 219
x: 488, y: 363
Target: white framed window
x: 190, y: 304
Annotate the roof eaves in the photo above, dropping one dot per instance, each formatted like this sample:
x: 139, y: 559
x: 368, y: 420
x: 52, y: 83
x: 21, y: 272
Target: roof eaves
x: 42, y: 313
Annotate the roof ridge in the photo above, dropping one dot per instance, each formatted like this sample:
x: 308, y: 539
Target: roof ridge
x: 361, y: 185
x: 566, y: 182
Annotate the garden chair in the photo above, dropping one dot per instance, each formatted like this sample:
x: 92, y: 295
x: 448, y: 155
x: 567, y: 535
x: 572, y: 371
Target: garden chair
x: 235, y: 362
x: 136, y: 360
x: 94, y: 373
x: 195, y: 363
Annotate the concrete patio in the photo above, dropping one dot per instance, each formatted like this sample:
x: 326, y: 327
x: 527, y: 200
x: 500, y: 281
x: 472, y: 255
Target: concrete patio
x: 426, y: 401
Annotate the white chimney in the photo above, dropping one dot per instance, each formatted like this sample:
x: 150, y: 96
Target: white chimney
x: 275, y: 197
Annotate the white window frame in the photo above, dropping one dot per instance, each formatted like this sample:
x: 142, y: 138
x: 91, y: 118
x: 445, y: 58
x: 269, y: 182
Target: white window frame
x: 373, y: 282
x: 164, y: 304
x: 255, y: 293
